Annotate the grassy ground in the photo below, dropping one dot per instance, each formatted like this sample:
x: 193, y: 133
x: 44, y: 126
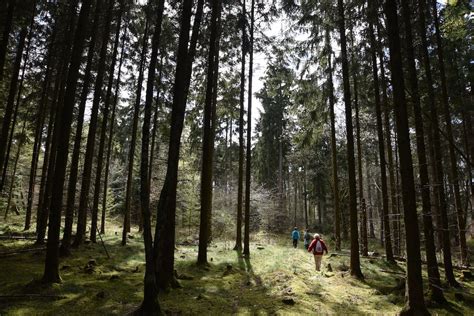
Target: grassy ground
x: 277, y: 280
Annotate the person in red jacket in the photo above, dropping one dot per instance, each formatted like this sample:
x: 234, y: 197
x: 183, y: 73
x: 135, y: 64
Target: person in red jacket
x: 317, y: 247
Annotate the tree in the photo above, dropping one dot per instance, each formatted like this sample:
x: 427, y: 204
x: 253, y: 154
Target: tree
x: 41, y: 118
x: 133, y: 140
x: 248, y: 166
x: 166, y: 212
x: 355, y: 259
x: 63, y: 129
x: 74, y: 168
x: 332, y: 118
x: 66, y: 27
x: 150, y: 305
x: 415, y: 303
x: 433, y: 273
x: 240, y: 188
x: 103, y: 130
x: 91, y: 136
x: 360, y: 176
x: 10, y: 105
x: 112, y: 126
x: 453, y: 173
x: 434, y: 138
x: 208, y: 134
x: 378, y: 113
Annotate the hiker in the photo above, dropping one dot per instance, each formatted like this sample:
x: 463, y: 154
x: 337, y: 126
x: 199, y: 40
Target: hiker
x: 295, y: 234
x: 307, y: 238
x: 318, y: 247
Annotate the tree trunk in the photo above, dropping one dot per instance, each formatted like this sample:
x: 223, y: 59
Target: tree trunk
x: 7, y: 26
x: 355, y: 259
x: 435, y: 140
x: 296, y: 201
x: 393, y: 188
x: 111, y: 131
x: 42, y: 217
x: 41, y: 118
x: 9, y: 107
x: 155, y: 125
x: 208, y: 135
x: 133, y: 141
x: 453, y: 174
x: 334, y: 167
x: 91, y: 136
x: 240, y: 186
x: 391, y: 169
x: 248, y: 166
x: 381, y: 145
x: 63, y: 129
x: 18, y: 95
x: 415, y: 303
x: 44, y: 206
x: 74, y: 168
x: 166, y: 212
x: 15, y: 165
x: 369, y: 201
x: 150, y: 303
x: 305, y: 196
x: 105, y: 119
x: 360, y: 182
x: 433, y: 272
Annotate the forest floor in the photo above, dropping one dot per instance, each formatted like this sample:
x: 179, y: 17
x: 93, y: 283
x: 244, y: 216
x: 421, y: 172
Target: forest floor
x: 277, y: 280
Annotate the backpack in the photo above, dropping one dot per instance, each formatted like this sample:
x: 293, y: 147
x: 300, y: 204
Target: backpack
x: 318, y: 248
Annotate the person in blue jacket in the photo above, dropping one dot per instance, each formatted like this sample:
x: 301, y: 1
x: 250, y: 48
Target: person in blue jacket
x: 295, y: 234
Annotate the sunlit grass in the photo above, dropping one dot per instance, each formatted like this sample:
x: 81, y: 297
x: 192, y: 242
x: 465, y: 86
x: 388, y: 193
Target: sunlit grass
x: 231, y: 284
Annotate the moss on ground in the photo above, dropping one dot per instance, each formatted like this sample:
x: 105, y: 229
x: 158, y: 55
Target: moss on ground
x: 276, y: 280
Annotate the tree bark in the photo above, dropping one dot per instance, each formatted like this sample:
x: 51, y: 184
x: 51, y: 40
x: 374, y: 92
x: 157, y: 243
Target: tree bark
x: 208, y: 135
x: 111, y: 131
x: 41, y: 118
x: 381, y: 145
x: 89, y: 155
x: 105, y: 119
x: 248, y: 166
x: 18, y: 94
x: 68, y: 23
x: 334, y: 167
x: 43, y: 198
x: 74, y: 168
x: 63, y: 129
x: 415, y: 303
x: 435, y: 140
x: 166, y: 212
x: 393, y: 188
x: 155, y: 124
x: 10, y: 105
x: 133, y: 141
x: 360, y: 177
x: 240, y: 186
x: 433, y: 272
x: 453, y: 174
x: 355, y: 259
x: 15, y: 165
